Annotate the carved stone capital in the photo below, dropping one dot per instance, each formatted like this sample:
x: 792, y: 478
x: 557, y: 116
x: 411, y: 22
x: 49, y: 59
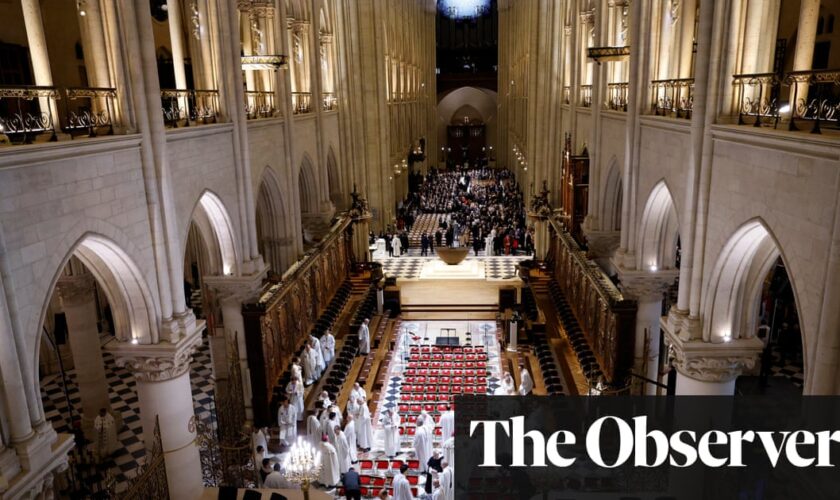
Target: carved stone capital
x: 157, y: 362
x: 710, y: 362
x: 326, y: 38
x: 298, y: 27
x: 75, y: 290
x: 238, y: 288
x: 646, y: 285
x: 602, y: 244
x: 587, y: 16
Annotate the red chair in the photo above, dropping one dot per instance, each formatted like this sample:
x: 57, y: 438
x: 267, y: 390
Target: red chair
x: 405, y: 397
x: 415, y: 408
x: 457, y: 389
x: 429, y: 408
x: 403, y: 408
x: 412, y: 430
x: 438, y: 431
x: 480, y: 389
x: 365, y: 480
x: 366, y: 492
x: 382, y: 464
x: 401, y: 431
x: 396, y: 464
x: 365, y: 465
x: 414, y: 464
x: 413, y: 480
x: 340, y: 491
x: 468, y: 389
x: 378, y: 482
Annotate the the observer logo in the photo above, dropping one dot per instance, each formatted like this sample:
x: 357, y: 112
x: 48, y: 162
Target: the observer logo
x: 640, y: 446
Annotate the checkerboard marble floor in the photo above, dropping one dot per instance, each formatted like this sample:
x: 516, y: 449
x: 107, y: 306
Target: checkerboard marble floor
x: 409, y: 267
x: 124, y: 462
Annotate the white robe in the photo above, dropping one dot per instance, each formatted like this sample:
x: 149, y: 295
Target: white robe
x: 364, y: 339
x: 447, y: 424
x: 428, y: 423
x: 509, y: 387
x: 313, y: 430
x: 287, y: 421
x: 350, y: 434
x: 526, y: 383
x: 402, y: 488
x: 397, y: 244
x: 449, y: 451
x: 330, y: 475
x: 106, y: 435
x: 318, y: 356
x: 297, y: 372
x: 329, y: 429
x: 365, y: 435
x: 294, y: 392
x: 259, y: 440
x: 309, y: 370
x: 359, y: 393
x: 277, y: 481
x: 447, y: 483
x: 423, y: 447
x: 342, y: 447
x: 391, y: 428
x: 328, y: 348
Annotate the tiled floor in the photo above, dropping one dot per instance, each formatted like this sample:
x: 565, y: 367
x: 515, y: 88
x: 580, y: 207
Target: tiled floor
x: 408, y: 267
x: 125, y: 461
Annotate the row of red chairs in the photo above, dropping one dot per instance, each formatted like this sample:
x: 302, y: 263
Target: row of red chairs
x: 436, y: 348
x: 381, y: 481
x: 444, y: 372
x: 446, y: 365
x: 446, y: 380
x: 443, y: 390
x: 447, y: 389
x: 407, y: 410
x: 410, y: 430
x: 383, y: 465
x: 448, y: 357
x: 370, y: 492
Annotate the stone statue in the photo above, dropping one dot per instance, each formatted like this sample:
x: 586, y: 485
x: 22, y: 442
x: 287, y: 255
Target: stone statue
x: 358, y: 205
x: 539, y: 202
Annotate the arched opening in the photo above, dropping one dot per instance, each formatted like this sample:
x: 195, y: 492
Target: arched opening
x: 751, y: 295
x: 273, y: 231
x: 308, y: 198
x: 611, y: 200
x: 334, y: 179
x: 98, y: 295
x: 658, y: 231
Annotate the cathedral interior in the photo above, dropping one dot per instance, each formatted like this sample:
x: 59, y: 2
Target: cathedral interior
x: 210, y: 207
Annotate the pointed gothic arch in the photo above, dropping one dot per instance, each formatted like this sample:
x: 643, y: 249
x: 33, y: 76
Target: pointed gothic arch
x: 658, y: 231
x: 612, y: 197
x: 274, y: 231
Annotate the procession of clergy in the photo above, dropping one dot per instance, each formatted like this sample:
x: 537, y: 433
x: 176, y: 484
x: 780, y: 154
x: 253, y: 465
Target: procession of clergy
x: 341, y: 437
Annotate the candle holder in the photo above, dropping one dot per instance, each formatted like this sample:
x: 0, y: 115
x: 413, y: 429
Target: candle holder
x: 303, y: 465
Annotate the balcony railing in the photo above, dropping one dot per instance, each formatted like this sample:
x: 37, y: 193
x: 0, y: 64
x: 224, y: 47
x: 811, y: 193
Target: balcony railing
x: 186, y: 107
x: 586, y: 96
x: 259, y: 104
x: 567, y: 94
x: 673, y: 97
x: 617, y: 96
x: 301, y: 103
x: 27, y: 112
x: 799, y: 96
x: 329, y: 101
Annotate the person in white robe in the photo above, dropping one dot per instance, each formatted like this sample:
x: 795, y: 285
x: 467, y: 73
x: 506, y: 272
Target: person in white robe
x: 330, y: 475
x: 287, y: 422
x: 313, y: 429
x: 422, y: 444
x: 397, y: 244
x: 364, y: 338
x: 260, y: 440
x: 508, y: 385
x: 328, y: 347
x: 449, y: 450
x: 350, y: 434
x: 526, y: 383
x: 309, y: 373
x: 297, y: 371
x: 447, y: 423
x: 447, y: 481
x: 276, y: 480
x: 364, y: 436
x: 391, y: 428
x: 334, y: 409
x: 358, y: 392
x: 106, y: 434
x: 402, y: 488
x: 318, y: 355
x: 342, y: 447
x: 330, y: 426
x: 437, y: 491
x: 428, y: 423
x: 324, y: 398
x: 294, y: 393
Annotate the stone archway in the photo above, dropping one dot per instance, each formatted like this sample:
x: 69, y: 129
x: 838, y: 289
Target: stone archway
x: 658, y: 231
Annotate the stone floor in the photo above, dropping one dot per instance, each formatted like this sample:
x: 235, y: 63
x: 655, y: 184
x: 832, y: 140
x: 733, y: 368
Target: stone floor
x: 124, y: 462
x: 409, y: 266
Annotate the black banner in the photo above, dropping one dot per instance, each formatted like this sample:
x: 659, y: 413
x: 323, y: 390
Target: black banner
x: 745, y: 448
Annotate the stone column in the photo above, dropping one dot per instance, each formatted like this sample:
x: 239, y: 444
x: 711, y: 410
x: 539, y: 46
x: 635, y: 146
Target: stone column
x: 38, y: 54
x: 93, y: 42
x: 173, y: 9
x: 647, y: 289
x: 162, y: 372
x: 79, y: 304
x: 806, y: 35
x: 706, y: 369
x: 232, y: 292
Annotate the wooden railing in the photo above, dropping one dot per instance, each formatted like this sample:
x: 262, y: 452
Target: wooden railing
x: 673, y: 97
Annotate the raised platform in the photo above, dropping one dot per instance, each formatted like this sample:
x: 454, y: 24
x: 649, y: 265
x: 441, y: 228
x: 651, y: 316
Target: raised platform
x: 440, y: 270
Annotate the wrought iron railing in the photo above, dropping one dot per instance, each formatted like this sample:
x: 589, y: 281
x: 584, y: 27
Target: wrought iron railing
x: 814, y: 97
x: 586, y: 96
x: 757, y: 98
x: 259, y: 104
x: 673, y: 97
x: 26, y: 112
x: 89, y: 110
x: 616, y: 96
x: 186, y: 107
x: 301, y: 102
x: 151, y: 480
x: 329, y: 101
x: 567, y: 94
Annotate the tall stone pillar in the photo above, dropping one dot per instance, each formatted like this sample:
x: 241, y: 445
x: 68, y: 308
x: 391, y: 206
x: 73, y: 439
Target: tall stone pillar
x: 173, y: 9
x: 706, y: 369
x: 539, y: 213
x: 93, y: 42
x: 806, y: 35
x: 79, y: 304
x: 647, y: 289
x: 360, y: 213
x: 162, y: 372
x: 232, y: 292
x: 38, y: 54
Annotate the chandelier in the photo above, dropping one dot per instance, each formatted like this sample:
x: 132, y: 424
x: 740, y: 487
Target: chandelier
x: 302, y: 465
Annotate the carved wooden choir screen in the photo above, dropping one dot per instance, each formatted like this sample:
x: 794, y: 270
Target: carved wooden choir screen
x: 278, y: 323
x: 605, y: 316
